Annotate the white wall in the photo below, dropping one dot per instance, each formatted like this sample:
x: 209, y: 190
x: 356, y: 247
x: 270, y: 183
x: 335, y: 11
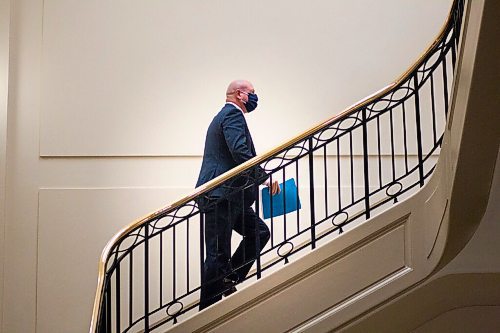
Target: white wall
x: 131, y: 78
x: 109, y: 102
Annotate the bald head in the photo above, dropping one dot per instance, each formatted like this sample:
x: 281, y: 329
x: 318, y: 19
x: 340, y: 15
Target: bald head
x: 242, y: 85
x: 237, y: 93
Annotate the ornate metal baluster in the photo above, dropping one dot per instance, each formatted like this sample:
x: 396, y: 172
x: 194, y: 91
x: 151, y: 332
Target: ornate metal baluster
x: 379, y: 153
x: 339, y: 183
x: 297, y: 198
x: 433, y: 109
x: 202, y: 246
x: 419, y: 133
x: 187, y: 256
x: 161, y: 269
x: 146, y: 278
x: 405, y: 139
x: 326, y: 180
x: 117, y: 297
x: 365, y: 164
x: 352, y: 167
x: 453, y: 52
x: 174, y: 269
x: 257, y: 231
x: 445, y: 86
x: 108, y: 307
x: 130, y: 288
x: 393, y: 161
x: 271, y: 210
x: 284, y: 207
x: 311, y: 194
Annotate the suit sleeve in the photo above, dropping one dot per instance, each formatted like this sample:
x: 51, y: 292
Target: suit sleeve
x: 234, y: 130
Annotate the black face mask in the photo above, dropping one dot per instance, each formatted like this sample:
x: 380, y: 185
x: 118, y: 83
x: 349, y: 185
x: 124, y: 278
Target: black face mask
x: 251, y: 104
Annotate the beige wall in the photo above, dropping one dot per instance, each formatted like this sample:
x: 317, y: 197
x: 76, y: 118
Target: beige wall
x: 132, y: 78
x: 466, y: 320
x: 4, y: 70
x: 22, y: 170
x: 101, y: 92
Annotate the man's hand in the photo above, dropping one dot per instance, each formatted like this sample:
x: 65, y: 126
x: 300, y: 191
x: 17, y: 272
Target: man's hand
x: 274, y: 188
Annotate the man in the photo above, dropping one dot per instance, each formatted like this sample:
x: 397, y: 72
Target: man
x: 228, y: 143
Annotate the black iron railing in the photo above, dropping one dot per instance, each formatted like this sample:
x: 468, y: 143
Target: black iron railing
x: 347, y: 169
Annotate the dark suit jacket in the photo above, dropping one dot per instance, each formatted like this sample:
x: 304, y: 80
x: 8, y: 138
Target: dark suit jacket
x: 228, y: 143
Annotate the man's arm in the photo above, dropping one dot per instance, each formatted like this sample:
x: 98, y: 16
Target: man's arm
x: 234, y: 129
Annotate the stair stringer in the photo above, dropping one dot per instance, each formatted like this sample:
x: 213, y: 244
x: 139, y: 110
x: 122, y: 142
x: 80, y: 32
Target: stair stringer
x: 354, y: 272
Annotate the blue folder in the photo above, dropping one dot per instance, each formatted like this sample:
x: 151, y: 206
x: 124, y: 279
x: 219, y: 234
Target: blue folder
x: 286, y: 201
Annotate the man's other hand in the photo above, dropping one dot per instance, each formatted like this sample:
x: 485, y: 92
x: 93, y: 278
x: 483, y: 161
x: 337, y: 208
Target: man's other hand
x: 274, y: 188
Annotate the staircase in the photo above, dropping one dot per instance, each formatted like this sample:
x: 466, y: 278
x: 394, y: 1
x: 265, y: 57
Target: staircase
x: 349, y: 248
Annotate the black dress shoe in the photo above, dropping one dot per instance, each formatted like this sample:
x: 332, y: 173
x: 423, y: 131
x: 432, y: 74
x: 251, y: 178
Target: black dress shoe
x: 229, y: 287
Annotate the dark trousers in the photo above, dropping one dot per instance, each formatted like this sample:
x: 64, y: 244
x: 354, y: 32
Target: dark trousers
x: 219, y: 265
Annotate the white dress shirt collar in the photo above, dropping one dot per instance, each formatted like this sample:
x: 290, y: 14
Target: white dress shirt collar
x: 236, y: 106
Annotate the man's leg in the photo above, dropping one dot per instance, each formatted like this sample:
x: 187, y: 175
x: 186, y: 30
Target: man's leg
x: 218, y: 252
x: 245, y: 255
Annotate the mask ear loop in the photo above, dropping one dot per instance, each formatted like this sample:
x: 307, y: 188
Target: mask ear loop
x: 241, y: 99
